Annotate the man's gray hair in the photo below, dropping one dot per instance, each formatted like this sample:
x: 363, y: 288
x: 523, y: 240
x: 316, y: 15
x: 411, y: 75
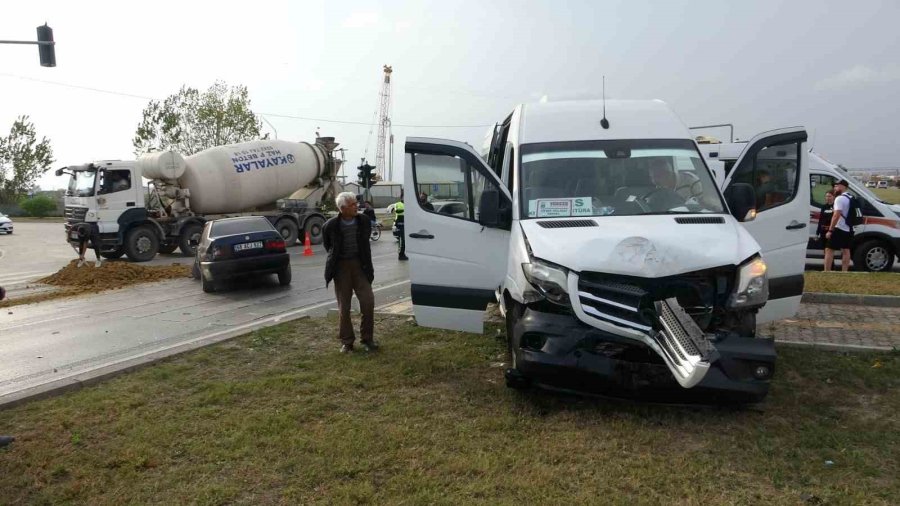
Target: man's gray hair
x: 344, y: 199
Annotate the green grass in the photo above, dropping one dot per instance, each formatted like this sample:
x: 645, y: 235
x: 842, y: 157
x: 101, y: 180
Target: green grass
x: 864, y: 283
x: 889, y: 195
x: 279, y: 416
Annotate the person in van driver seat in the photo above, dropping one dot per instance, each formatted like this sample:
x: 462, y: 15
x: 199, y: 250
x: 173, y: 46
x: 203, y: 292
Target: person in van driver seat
x: 664, y: 196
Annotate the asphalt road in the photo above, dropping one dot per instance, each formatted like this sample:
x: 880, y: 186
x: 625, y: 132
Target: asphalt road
x: 47, y: 343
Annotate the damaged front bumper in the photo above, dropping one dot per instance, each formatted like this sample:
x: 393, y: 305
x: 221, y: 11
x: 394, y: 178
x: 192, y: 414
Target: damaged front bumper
x: 560, y: 350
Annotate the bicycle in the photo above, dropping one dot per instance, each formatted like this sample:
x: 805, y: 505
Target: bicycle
x: 376, y: 231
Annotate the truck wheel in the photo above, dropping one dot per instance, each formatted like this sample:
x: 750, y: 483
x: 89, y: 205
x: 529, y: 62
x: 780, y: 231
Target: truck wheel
x: 874, y: 256
x: 114, y: 254
x: 167, y: 248
x: 313, y: 227
x: 141, y: 244
x: 284, y: 277
x: 288, y: 230
x: 189, y: 239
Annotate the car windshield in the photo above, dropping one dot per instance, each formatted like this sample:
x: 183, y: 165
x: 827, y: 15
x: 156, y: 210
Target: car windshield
x: 224, y: 228
x: 616, y: 178
x: 81, y: 184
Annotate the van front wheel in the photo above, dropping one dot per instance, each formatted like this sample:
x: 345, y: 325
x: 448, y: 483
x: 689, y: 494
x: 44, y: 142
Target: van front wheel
x: 873, y: 256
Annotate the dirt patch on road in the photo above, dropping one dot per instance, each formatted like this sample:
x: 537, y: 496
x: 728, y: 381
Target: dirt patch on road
x: 113, y: 275
x: 73, y: 280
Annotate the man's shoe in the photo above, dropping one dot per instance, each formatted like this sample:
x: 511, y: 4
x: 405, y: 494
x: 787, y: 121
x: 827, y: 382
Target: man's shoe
x: 370, y: 345
x: 80, y: 263
x: 403, y: 257
x: 98, y: 263
x: 347, y: 348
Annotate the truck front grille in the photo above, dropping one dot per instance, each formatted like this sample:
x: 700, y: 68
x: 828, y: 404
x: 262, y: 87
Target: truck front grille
x: 75, y: 214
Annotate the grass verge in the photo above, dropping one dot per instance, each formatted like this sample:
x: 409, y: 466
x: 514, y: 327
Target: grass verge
x: 865, y: 283
x: 889, y: 195
x: 278, y: 416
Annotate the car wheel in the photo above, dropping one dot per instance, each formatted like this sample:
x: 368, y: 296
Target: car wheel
x: 284, y: 277
x: 313, y: 227
x: 874, y: 256
x: 514, y: 376
x: 189, y: 239
x: 209, y: 286
x: 141, y: 244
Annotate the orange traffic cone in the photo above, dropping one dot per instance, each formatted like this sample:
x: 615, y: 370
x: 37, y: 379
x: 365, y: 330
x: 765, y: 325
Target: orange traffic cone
x: 307, y: 246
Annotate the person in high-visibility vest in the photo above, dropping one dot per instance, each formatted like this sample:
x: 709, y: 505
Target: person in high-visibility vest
x: 399, y: 220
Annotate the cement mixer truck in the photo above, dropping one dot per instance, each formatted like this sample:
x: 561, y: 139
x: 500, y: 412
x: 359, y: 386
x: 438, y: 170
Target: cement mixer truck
x: 283, y: 181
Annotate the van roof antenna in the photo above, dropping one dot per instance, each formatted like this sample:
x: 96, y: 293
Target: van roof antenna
x: 604, y: 122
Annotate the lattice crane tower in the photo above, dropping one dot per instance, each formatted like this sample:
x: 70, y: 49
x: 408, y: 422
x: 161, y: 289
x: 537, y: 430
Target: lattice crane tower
x: 384, y: 123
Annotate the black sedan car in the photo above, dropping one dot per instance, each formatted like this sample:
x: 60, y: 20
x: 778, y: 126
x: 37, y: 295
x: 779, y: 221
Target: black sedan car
x: 235, y: 247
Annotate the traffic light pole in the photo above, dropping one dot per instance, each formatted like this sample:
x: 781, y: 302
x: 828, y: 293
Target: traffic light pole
x: 45, y: 43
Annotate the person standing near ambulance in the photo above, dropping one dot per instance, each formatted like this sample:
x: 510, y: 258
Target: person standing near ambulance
x: 839, y: 234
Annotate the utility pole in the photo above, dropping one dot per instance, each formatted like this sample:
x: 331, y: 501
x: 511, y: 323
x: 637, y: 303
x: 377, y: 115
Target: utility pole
x: 45, y: 43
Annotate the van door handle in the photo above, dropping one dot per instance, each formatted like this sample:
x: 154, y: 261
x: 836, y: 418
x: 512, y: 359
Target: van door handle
x: 129, y: 204
x: 795, y: 225
x: 421, y: 235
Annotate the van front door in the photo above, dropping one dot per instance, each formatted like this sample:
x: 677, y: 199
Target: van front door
x: 457, y: 258
x: 775, y: 164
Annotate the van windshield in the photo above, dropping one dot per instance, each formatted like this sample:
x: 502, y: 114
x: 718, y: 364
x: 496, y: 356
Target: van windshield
x: 616, y: 178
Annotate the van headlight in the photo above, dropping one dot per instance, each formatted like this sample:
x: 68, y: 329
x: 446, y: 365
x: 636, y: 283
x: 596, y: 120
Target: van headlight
x: 550, y: 280
x: 752, y: 287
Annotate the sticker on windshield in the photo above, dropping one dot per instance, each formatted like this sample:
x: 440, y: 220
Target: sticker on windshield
x: 556, y: 208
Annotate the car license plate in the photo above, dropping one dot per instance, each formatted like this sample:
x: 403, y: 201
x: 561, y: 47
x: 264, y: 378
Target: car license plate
x: 248, y: 245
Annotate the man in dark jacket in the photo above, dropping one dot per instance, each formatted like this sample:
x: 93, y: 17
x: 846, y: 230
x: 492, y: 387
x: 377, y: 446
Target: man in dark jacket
x: 349, y: 265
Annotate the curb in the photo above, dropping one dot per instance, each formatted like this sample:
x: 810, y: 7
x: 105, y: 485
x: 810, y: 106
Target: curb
x: 833, y: 346
x: 850, y: 298
x: 107, y: 371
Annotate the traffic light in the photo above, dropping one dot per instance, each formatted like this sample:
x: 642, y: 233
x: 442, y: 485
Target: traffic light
x: 47, y: 52
x: 364, y: 176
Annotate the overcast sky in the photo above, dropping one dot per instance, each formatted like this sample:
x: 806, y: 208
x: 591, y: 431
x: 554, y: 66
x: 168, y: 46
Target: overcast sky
x: 832, y: 66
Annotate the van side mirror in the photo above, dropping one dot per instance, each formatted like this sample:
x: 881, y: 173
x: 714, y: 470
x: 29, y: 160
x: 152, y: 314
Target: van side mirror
x: 494, y: 210
x: 741, y: 201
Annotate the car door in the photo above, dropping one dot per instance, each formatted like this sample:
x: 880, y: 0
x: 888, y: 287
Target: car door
x: 457, y: 261
x: 115, y: 195
x: 775, y: 164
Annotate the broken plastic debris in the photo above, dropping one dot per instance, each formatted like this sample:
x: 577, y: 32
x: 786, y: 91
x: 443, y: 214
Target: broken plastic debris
x: 877, y: 364
x: 829, y: 462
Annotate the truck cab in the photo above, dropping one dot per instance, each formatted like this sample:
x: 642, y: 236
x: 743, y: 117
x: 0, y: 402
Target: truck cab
x: 617, y: 259
x: 876, y: 242
x: 107, y: 194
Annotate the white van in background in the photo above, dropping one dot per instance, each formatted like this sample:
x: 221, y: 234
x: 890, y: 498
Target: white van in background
x: 876, y: 243
x: 604, y: 237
